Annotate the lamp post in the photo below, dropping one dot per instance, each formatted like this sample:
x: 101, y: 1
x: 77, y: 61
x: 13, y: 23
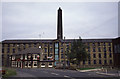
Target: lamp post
x: 41, y: 54
x: 64, y: 53
x: 10, y: 61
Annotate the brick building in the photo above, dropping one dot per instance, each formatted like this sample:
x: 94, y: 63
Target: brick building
x: 116, y: 53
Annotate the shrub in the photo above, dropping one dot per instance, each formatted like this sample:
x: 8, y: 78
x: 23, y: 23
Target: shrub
x: 9, y: 72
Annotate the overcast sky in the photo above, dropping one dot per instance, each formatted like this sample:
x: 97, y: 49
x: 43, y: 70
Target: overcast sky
x: 89, y: 20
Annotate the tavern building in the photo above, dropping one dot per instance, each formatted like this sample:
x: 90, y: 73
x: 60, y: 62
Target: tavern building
x: 42, y: 53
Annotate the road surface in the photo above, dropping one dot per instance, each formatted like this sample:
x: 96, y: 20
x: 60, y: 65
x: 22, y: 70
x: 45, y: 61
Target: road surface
x: 56, y: 73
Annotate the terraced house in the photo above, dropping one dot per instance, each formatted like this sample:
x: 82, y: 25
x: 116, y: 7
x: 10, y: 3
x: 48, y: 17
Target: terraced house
x: 41, y: 53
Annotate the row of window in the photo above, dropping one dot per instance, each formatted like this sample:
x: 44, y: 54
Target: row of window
x: 105, y: 55
x: 45, y: 50
x: 51, y: 44
x: 8, y: 50
x: 94, y: 62
x: 19, y: 49
x: 30, y: 45
x: 67, y: 49
x: 99, y: 49
x: 94, y: 49
x: 35, y: 56
x: 67, y: 44
x: 99, y: 44
x: 94, y: 55
x: 100, y: 62
x: 29, y: 63
x: 51, y: 49
x: 23, y: 45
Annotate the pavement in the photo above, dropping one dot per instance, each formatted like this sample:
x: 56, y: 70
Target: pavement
x: 88, y: 70
x: 110, y: 72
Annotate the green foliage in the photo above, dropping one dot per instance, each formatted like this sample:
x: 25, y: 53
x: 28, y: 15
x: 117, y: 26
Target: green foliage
x: 77, y: 52
x: 9, y: 72
x: 86, y: 68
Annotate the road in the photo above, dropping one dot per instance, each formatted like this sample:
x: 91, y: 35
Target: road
x: 51, y: 72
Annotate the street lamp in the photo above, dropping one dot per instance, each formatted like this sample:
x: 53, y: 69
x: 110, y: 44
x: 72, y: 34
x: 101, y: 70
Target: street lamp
x: 40, y: 47
x: 41, y: 53
x: 10, y: 61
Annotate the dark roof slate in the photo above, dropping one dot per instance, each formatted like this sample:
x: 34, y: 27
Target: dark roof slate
x: 51, y: 40
x: 26, y: 41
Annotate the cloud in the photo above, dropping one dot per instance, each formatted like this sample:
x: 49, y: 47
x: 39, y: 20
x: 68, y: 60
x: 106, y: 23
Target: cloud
x: 28, y: 20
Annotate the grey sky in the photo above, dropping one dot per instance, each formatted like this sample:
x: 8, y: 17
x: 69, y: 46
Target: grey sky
x: 119, y: 19
x: 88, y: 20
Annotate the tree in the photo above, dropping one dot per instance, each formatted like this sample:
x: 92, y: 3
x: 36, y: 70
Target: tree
x: 77, y: 52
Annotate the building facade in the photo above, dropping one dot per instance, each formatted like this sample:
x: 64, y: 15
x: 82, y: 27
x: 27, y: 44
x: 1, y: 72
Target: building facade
x: 116, y: 54
x: 15, y: 52
x: 31, y: 58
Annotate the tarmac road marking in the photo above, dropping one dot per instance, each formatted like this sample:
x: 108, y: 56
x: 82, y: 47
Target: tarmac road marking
x: 66, y: 76
x: 54, y: 74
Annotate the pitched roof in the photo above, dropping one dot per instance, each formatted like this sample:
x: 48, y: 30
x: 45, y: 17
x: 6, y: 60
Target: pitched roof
x: 27, y: 41
x: 51, y: 40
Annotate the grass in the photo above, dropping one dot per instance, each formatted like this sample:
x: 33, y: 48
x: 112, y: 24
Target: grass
x: 9, y: 72
x: 86, y: 68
